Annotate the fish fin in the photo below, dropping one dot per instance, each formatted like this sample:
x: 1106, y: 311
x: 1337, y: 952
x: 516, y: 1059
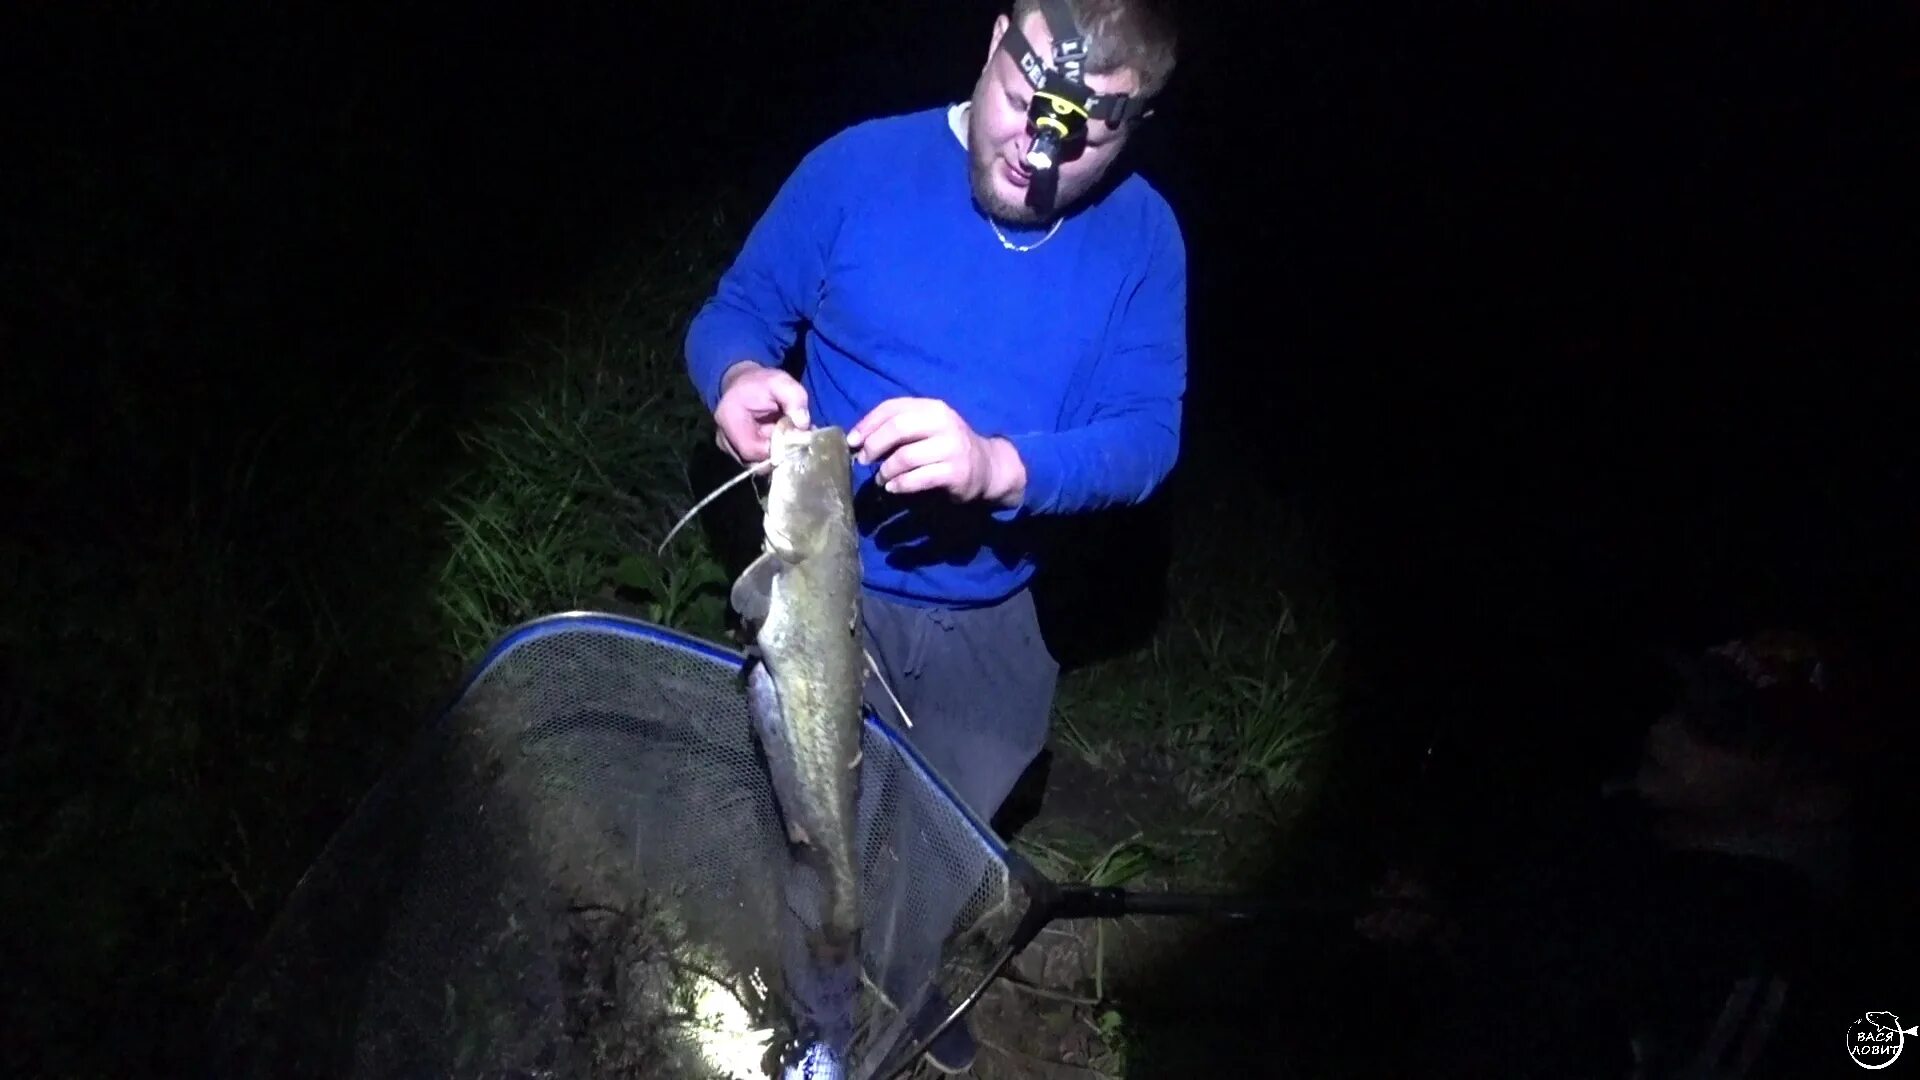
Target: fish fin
x: 752, y: 594
x: 750, y: 658
x: 823, y: 977
x: 882, y: 680
x: 855, y: 763
x: 763, y: 704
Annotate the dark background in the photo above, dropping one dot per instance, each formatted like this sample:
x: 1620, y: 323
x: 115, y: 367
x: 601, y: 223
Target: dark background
x: 1573, y: 329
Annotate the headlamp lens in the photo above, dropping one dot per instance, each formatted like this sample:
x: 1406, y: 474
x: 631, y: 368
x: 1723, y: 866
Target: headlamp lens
x: 1054, y: 125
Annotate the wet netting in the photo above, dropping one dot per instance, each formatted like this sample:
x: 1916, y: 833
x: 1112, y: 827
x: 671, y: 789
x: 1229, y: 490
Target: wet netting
x: 579, y: 872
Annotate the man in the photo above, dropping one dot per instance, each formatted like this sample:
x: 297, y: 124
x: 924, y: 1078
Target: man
x: 1002, y: 344
x: 993, y: 360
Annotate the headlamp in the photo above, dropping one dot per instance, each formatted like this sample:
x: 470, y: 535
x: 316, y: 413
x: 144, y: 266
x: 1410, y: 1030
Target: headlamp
x: 1062, y: 105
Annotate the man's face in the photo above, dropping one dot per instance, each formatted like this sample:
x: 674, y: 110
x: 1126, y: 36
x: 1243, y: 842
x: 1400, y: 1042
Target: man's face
x: 997, y: 136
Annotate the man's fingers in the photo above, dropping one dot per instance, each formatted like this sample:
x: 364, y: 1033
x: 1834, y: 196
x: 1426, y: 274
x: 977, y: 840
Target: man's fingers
x: 743, y: 439
x: 940, y: 474
x: 886, y: 439
x: 790, y: 398
x: 879, y: 416
x: 766, y: 394
x: 915, y: 454
x: 906, y: 425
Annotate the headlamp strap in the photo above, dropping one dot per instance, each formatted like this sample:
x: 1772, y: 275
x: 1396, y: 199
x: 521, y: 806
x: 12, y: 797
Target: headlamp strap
x: 1069, y: 59
x: 1069, y: 44
x: 1016, y: 45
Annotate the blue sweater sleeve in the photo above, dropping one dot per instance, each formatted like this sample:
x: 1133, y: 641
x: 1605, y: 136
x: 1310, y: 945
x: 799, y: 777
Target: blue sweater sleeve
x: 774, y: 283
x: 1131, y: 436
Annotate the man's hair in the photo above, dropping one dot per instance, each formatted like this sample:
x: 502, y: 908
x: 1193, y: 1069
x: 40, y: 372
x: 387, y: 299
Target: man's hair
x: 1135, y: 34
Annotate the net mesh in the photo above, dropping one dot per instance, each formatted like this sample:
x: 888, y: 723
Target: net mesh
x: 580, y: 871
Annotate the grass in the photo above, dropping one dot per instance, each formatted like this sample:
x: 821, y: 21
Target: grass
x: 1236, y: 689
x: 1070, y: 855
x: 1227, y: 704
x: 202, y: 686
x: 260, y: 602
x: 575, y: 481
x: 252, y: 539
x: 219, y: 652
x: 1067, y: 854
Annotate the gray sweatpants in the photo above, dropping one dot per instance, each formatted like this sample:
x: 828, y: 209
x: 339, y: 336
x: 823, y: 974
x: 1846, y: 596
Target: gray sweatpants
x: 978, y: 684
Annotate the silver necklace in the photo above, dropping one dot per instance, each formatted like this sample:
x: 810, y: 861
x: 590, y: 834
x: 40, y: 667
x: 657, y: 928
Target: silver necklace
x: 1011, y: 246
x: 957, y: 123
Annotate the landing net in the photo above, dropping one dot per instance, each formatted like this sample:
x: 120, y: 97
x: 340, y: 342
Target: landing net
x: 579, y: 872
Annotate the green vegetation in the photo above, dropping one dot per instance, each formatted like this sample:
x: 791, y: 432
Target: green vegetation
x: 1234, y: 690
x: 260, y: 613
x: 1208, y: 730
x: 270, y: 587
x: 574, y: 481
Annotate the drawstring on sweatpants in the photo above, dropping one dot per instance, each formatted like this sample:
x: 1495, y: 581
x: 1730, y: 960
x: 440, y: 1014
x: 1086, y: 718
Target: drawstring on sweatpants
x: 917, y: 647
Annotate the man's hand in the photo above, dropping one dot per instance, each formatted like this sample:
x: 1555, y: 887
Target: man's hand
x: 923, y: 445
x: 752, y: 397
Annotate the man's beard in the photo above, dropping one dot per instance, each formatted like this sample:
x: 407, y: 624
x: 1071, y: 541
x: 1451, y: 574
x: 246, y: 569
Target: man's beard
x: 981, y: 164
x: 981, y: 172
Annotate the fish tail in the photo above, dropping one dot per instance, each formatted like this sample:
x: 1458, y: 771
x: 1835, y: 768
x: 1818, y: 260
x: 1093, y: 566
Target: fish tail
x: 824, y: 986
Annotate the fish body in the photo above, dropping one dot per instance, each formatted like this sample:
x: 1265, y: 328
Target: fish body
x: 1886, y: 1021
x: 801, y: 602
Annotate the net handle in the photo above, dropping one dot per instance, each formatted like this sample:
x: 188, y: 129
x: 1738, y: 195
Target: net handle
x: 1053, y: 901
x: 1077, y: 901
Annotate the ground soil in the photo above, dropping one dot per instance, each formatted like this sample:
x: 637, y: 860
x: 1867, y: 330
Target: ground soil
x: 1043, y: 1019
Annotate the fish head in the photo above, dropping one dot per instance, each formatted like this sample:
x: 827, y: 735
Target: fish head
x: 810, y: 466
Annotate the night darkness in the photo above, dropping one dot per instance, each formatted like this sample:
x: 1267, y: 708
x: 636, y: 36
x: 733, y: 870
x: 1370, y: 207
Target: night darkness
x: 1570, y: 331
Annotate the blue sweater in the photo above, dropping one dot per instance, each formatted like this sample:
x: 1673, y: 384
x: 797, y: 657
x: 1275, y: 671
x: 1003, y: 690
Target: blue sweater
x: 1075, y: 352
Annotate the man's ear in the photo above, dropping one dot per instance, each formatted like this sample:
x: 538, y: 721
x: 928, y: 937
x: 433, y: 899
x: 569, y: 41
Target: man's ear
x: 1000, y: 24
